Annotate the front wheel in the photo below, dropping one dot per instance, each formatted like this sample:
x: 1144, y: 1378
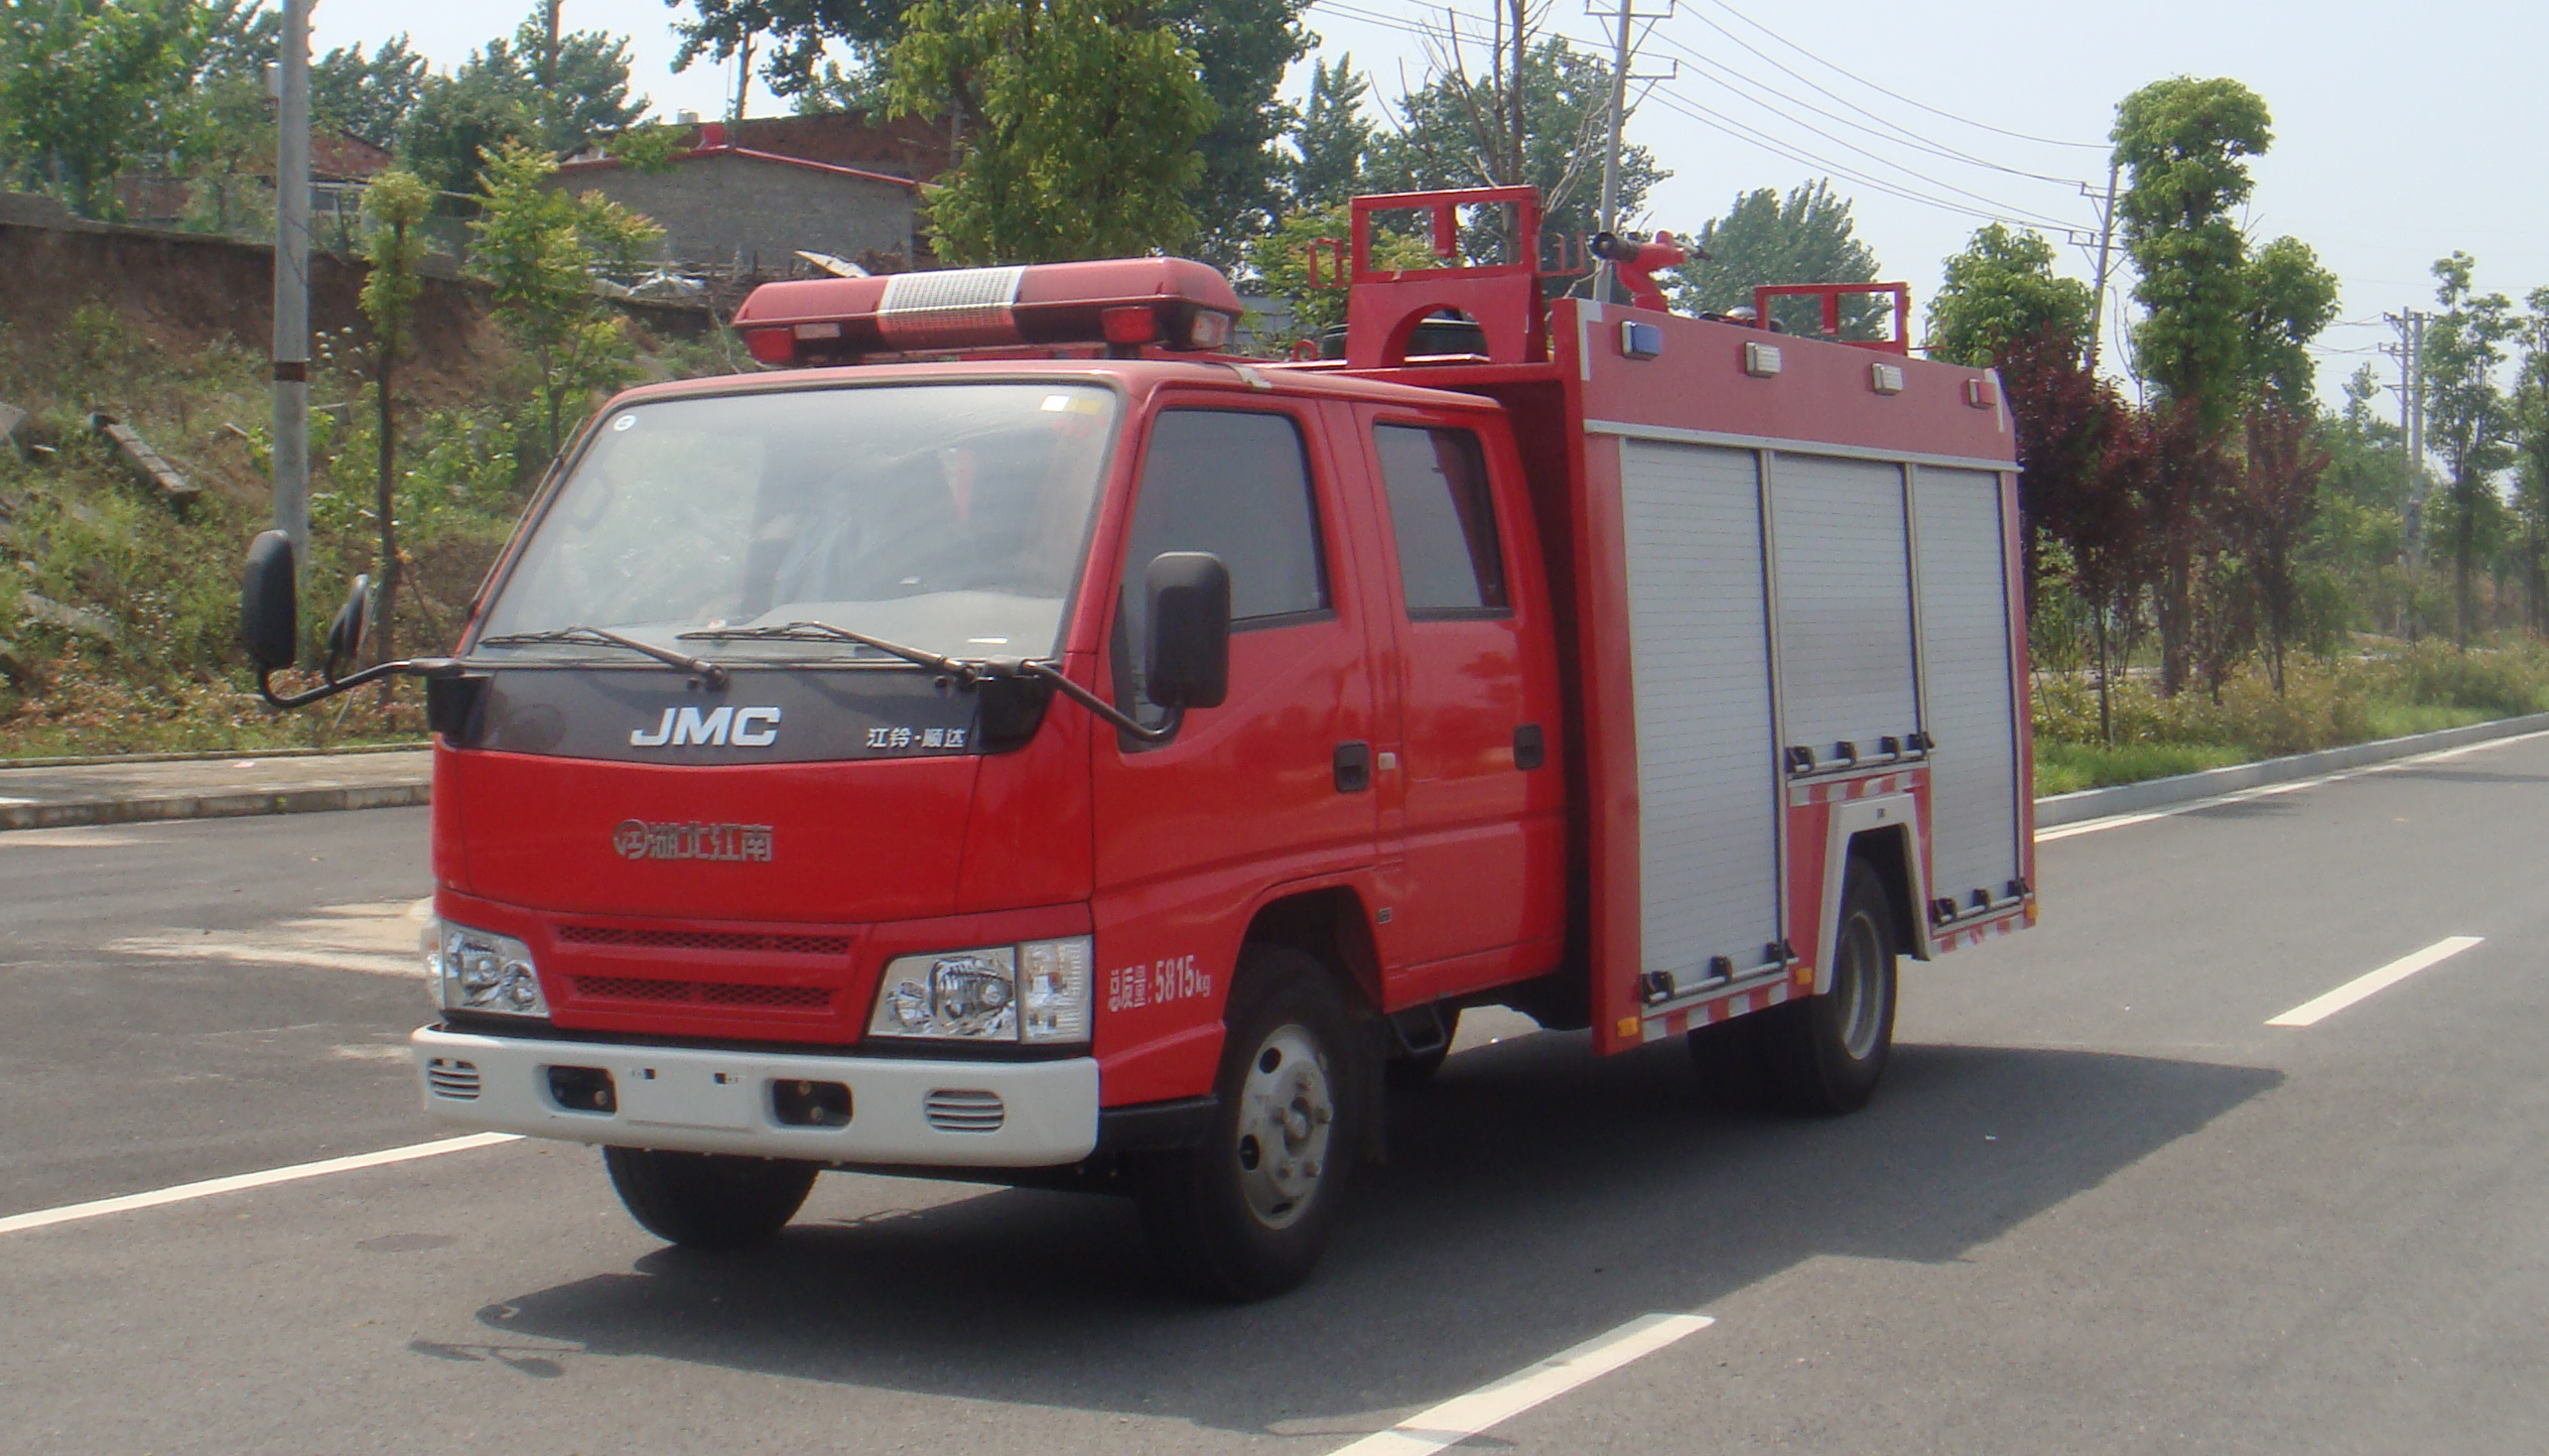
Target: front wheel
x: 704, y: 1200
x: 1247, y: 1212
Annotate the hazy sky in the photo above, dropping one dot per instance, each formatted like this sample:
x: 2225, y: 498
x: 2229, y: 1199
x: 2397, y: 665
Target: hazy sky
x: 2401, y: 133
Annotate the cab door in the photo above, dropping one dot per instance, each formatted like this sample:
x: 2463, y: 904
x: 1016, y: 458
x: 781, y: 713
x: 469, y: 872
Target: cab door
x: 1274, y: 786
x: 1484, y: 843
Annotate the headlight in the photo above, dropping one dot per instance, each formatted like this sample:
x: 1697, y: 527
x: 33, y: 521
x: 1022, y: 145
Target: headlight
x: 475, y: 971
x: 977, y: 995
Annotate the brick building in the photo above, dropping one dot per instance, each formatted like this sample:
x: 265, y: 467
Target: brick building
x: 758, y: 192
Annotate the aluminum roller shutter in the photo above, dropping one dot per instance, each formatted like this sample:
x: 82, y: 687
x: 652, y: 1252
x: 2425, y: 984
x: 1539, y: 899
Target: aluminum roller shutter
x: 1700, y: 651
x: 1844, y: 602
x: 1965, y: 638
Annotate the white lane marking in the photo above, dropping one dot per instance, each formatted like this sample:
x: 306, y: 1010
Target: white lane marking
x: 237, y: 1182
x: 2239, y: 796
x: 1462, y: 1417
x: 2319, y: 1008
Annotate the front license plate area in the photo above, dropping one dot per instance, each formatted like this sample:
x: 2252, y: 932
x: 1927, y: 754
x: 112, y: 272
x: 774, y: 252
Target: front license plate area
x: 692, y: 1095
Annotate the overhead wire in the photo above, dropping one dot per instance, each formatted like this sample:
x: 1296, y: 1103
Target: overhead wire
x: 1884, y: 90
x: 1989, y: 208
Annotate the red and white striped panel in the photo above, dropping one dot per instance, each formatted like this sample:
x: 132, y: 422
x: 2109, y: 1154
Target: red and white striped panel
x: 1957, y: 937
x: 1799, y: 980
x: 1838, y: 790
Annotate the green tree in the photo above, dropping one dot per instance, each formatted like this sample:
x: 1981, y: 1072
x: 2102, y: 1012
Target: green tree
x: 1242, y: 50
x: 368, y: 98
x: 2531, y: 441
x: 1332, y: 138
x: 1455, y: 132
x: 2182, y: 143
x: 396, y: 204
x: 87, y: 85
x: 1088, y: 117
x: 2001, y: 288
x: 1803, y: 238
x: 540, y: 247
x: 2224, y: 332
x: 2468, y: 417
x: 1282, y: 263
x: 510, y: 92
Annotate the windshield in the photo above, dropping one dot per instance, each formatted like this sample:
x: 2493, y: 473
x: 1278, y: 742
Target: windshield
x: 947, y: 517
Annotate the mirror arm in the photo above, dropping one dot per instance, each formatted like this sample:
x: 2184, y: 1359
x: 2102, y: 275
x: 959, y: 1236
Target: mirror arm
x: 414, y: 667
x: 1123, y: 720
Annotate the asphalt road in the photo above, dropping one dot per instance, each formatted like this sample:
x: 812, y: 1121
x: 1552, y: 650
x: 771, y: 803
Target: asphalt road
x: 2101, y: 1205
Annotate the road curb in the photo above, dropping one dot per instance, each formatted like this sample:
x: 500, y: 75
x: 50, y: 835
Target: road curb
x: 133, y: 810
x: 2156, y: 793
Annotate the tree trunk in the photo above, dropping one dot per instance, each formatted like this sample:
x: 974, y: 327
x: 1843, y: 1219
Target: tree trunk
x: 2465, y: 549
x: 2105, y: 704
x: 384, y: 629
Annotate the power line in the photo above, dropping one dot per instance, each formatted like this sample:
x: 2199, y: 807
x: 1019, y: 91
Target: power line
x: 1899, y: 136
x: 1743, y: 132
x: 1883, y: 90
x: 1913, y: 172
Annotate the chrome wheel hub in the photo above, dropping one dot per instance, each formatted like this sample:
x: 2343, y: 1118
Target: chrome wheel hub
x: 1287, y: 1115
x: 1859, y: 987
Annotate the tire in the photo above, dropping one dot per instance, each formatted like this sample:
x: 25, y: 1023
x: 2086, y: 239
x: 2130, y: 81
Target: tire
x: 1246, y: 1213
x: 1733, y: 1065
x: 1825, y: 1054
x: 703, y: 1200
x: 1405, y: 1070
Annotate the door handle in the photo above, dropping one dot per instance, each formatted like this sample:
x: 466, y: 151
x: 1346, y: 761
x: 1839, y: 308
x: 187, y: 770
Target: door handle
x: 1353, y: 766
x: 1531, y: 746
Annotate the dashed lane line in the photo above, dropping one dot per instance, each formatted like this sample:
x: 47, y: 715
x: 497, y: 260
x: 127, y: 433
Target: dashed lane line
x: 2319, y: 1008
x: 1462, y: 1417
x: 237, y: 1182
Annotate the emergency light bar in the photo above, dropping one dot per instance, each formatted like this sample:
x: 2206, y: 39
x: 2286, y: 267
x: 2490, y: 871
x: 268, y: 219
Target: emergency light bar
x: 1120, y: 303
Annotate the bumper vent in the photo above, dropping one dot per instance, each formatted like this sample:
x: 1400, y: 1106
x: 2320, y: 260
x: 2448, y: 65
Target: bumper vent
x: 965, y: 1111
x: 456, y: 1080
x: 704, y: 993
x: 704, y: 940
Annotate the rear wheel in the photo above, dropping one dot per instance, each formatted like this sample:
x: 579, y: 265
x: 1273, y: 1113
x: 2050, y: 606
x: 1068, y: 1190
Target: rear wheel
x: 704, y: 1200
x: 1247, y: 1211
x: 1825, y: 1054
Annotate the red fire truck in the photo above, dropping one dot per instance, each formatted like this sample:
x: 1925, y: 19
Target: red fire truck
x: 1014, y: 739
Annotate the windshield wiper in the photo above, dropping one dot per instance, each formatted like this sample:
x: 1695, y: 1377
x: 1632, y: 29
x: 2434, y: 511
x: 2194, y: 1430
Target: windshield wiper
x: 827, y: 633
x: 966, y: 670
x: 598, y: 637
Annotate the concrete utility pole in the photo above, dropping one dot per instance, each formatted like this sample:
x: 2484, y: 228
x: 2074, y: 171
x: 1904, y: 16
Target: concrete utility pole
x: 292, y: 287
x: 1603, y: 272
x: 2106, y: 252
x: 1623, y: 54
x: 2410, y: 350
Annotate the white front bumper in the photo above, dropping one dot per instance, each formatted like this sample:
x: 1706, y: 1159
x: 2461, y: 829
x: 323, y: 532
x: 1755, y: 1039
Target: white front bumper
x: 920, y: 1114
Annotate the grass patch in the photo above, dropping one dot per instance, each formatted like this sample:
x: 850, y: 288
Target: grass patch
x: 2066, y: 768
x: 2399, y: 719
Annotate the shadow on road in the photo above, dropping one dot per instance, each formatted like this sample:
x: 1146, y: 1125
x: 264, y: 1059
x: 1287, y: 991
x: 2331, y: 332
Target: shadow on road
x: 1536, y: 1197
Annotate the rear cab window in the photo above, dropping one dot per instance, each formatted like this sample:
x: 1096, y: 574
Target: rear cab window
x: 1451, y: 563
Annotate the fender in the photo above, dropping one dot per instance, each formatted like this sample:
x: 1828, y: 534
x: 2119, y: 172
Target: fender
x: 1853, y: 816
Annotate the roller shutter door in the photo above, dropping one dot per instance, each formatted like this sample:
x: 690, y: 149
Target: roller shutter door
x: 1844, y: 603
x: 1699, y: 644
x: 1975, y: 820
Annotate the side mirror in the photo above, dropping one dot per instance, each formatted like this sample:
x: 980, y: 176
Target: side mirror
x: 1187, y: 662
x: 346, y: 632
x: 269, y: 604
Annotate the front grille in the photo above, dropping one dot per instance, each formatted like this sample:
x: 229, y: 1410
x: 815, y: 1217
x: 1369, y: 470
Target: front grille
x: 704, y: 993
x: 751, y: 942
x: 965, y: 1111
x: 456, y: 1080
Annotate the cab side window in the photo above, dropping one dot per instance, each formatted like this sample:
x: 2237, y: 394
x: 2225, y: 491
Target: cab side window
x: 1449, y: 560
x: 1236, y: 484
